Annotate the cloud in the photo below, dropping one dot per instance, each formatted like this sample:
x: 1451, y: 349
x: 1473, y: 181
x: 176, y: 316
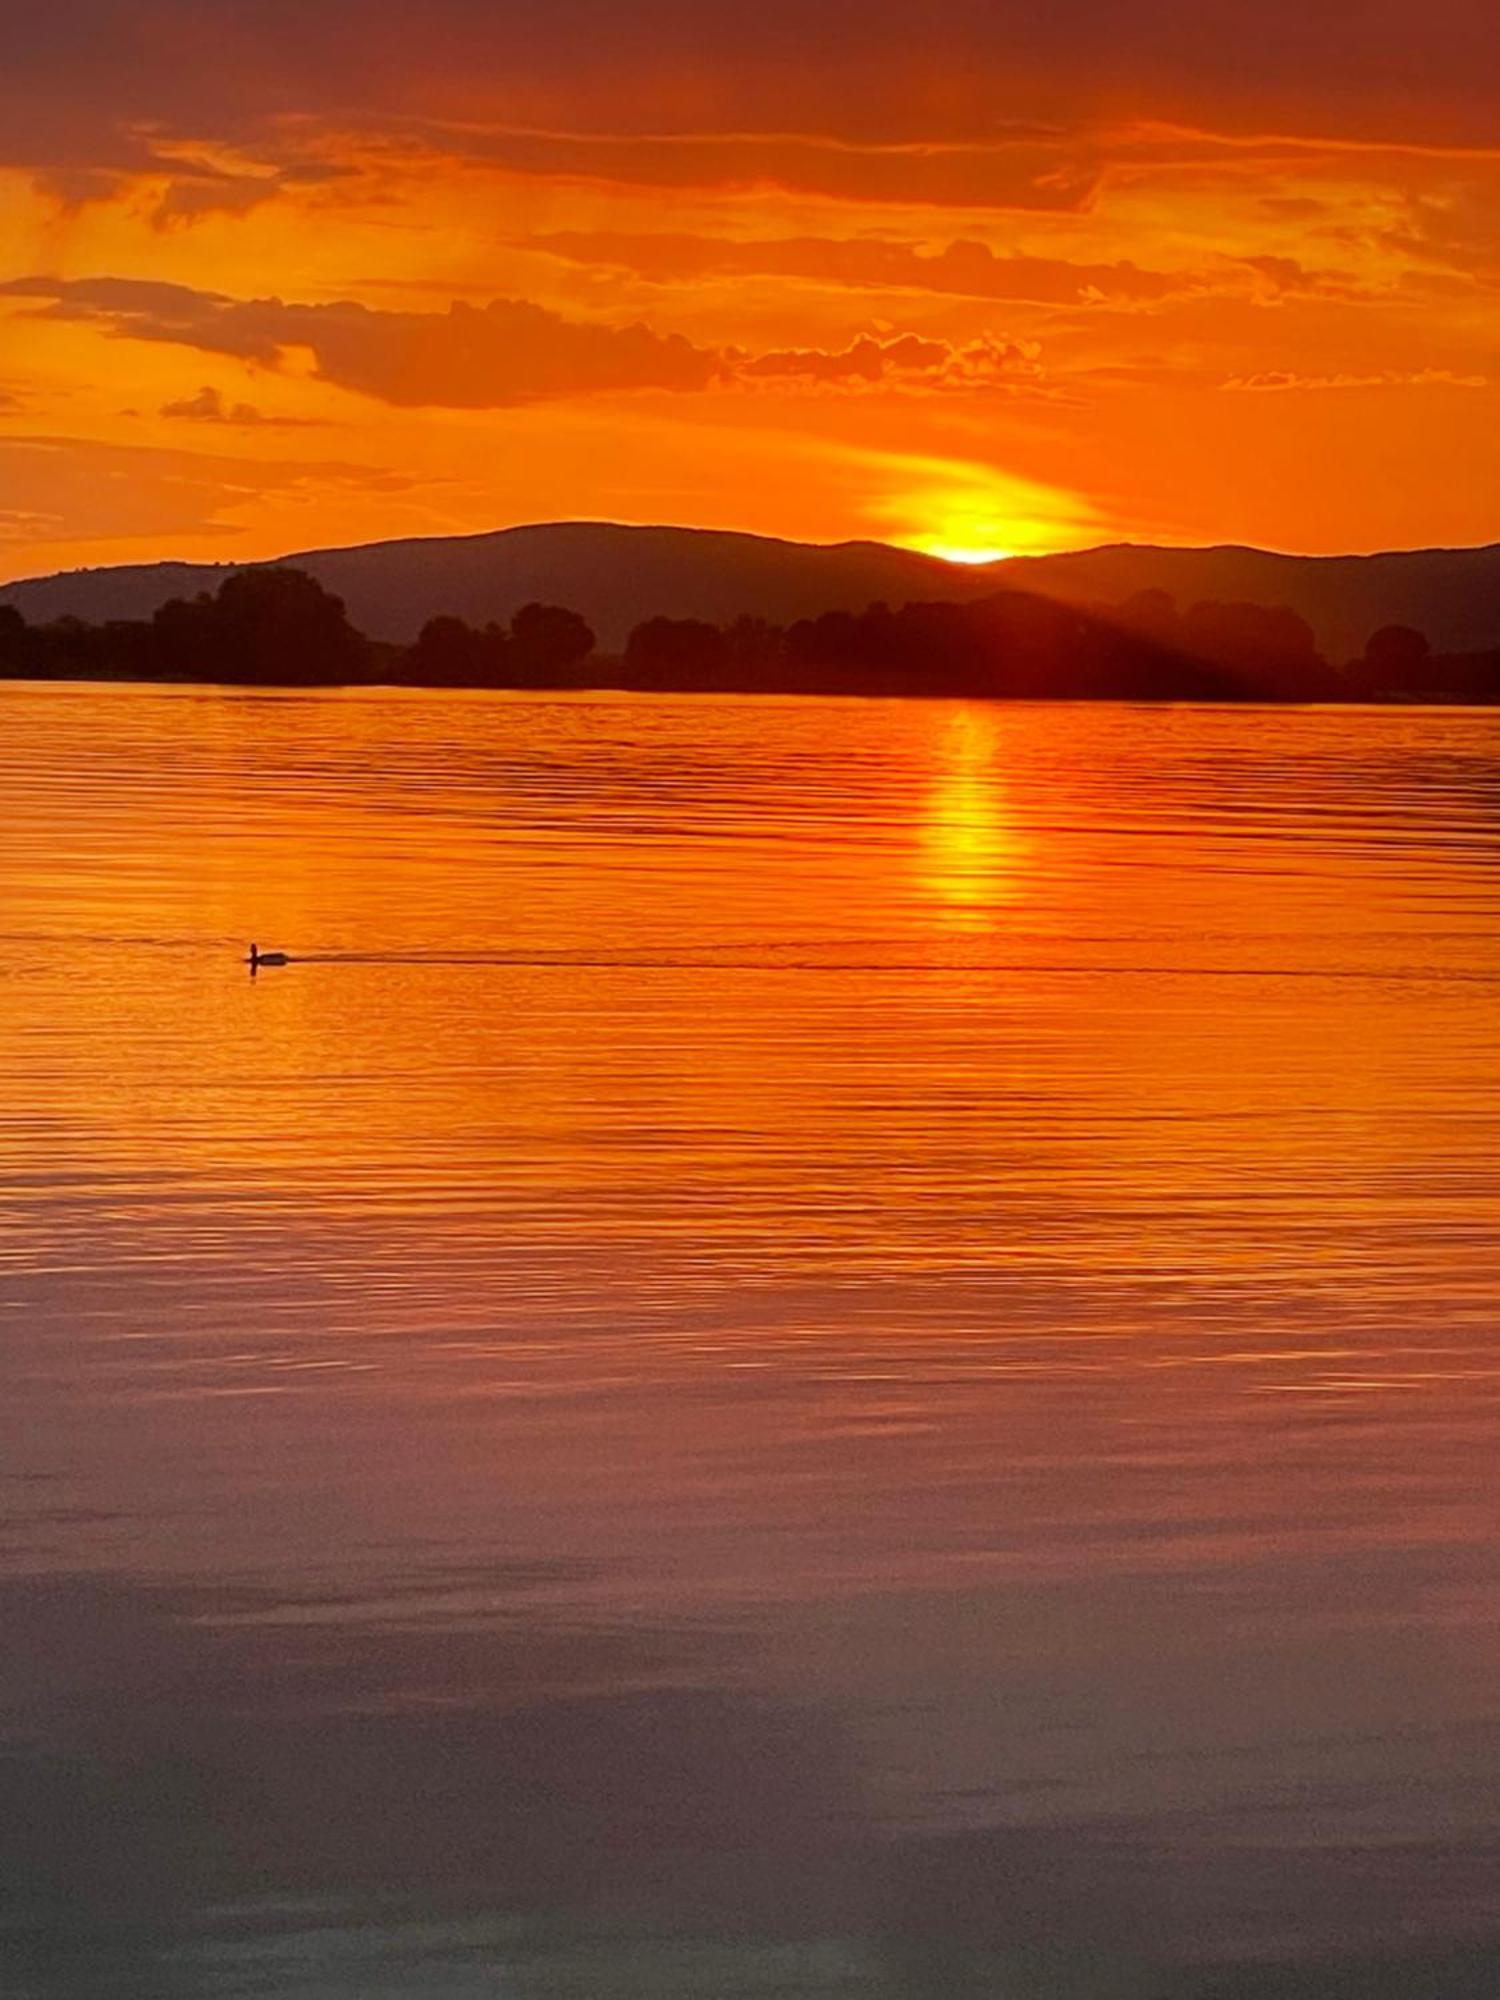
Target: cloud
x: 1286, y: 277
x: 204, y: 108
x: 510, y: 351
x: 84, y: 489
x: 193, y: 185
x: 208, y: 406
x: 470, y: 357
x: 908, y: 361
x: 88, y: 78
x: 489, y: 357
x: 1278, y: 379
x: 151, y: 309
x: 1054, y: 173
x: 962, y: 269
x: 173, y: 183
x: 1294, y: 207
x: 1455, y: 228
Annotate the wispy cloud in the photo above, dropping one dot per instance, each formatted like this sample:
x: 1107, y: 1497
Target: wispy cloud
x: 1275, y: 379
x: 963, y: 268
x: 211, y: 406
x: 87, y: 488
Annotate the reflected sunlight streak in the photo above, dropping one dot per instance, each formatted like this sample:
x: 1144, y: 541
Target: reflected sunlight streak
x: 971, y: 850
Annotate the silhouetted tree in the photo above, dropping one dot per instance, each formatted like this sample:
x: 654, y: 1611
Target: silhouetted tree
x: 544, y: 647
x: 753, y: 645
x: 1269, y: 651
x: 279, y: 625
x: 1399, y: 664
x: 1248, y: 635
x: 1397, y: 656
x: 451, y: 653
x: 548, y: 644
x: 18, y: 646
x: 675, y: 652
x: 1153, y: 615
x: 68, y: 649
x: 183, y: 639
x: 262, y: 625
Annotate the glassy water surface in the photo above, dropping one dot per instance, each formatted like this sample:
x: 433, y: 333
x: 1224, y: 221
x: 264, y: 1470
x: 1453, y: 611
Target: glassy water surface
x: 812, y: 1348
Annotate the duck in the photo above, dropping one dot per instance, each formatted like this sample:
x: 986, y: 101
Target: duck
x: 256, y: 958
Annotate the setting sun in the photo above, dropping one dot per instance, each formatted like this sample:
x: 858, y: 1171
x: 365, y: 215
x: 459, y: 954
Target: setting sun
x: 953, y: 553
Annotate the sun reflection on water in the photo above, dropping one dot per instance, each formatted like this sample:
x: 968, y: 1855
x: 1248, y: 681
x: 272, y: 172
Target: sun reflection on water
x: 971, y: 848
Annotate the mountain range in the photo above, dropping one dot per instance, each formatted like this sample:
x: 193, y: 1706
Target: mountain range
x: 616, y: 576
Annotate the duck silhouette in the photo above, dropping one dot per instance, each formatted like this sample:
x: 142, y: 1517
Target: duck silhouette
x: 256, y: 958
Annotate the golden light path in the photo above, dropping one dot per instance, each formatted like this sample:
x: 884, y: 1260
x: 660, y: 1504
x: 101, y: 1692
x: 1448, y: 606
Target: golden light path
x: 972, y: 850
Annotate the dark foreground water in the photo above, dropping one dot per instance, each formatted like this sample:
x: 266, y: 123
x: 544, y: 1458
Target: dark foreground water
x: 819, y: 1349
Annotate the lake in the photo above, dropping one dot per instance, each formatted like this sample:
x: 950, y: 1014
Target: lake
x: 811, y: 1348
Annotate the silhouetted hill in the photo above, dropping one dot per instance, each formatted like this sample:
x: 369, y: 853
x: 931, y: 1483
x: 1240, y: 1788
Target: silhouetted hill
x: 617, y: 576
x: 1453, y: 595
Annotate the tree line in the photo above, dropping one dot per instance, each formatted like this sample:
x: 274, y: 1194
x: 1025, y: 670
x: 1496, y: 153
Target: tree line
x: 280, y: 627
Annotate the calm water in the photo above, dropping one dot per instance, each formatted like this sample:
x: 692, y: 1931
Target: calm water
x: 818, y: 1348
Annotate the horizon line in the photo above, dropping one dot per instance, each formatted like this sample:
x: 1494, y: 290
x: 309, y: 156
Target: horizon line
x: 1000, y: 560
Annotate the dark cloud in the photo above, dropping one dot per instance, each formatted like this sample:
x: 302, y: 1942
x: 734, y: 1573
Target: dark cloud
x: 489, y: 357
x: 216, y: 108
x: 148, y: 309
x: 182, y: 185
x: 510, y: 351
x: 850, y: 66
x: 470, y: 357
x: 190, y: 192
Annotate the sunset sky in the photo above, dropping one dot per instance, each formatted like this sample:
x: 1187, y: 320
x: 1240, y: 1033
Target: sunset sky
x: 972, y: 276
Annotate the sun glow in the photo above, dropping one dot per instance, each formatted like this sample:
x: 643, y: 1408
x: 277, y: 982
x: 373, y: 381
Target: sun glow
x: 954, y: 552
x: 965, y: 512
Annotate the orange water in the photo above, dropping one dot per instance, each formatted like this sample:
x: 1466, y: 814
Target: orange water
x: 842, y: 1343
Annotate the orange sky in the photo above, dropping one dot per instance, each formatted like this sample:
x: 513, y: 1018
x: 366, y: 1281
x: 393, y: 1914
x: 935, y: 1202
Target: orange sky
x: 272, y: 277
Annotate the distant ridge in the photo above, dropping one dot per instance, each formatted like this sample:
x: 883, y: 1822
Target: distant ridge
x: 1453, y: 595
x: 617, y: 575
